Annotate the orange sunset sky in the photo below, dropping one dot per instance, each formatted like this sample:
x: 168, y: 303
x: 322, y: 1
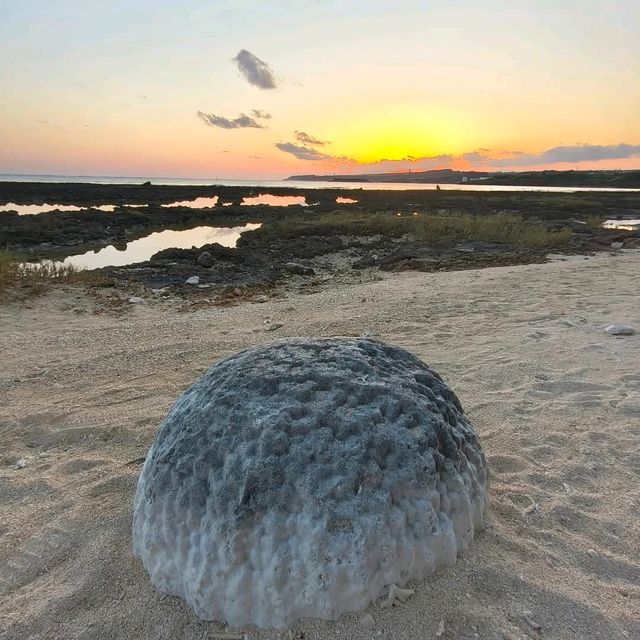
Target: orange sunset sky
x: 270, y: 89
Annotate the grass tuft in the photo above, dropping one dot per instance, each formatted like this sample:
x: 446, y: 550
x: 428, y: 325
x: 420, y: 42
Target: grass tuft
x: 432, y: 228
x: 595, y: 221
x: 18, y: 276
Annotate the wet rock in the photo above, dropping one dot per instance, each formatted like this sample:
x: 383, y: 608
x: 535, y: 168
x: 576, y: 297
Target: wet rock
x: 192, y: 280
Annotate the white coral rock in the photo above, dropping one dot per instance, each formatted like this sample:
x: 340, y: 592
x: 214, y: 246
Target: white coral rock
x: 302, y: 478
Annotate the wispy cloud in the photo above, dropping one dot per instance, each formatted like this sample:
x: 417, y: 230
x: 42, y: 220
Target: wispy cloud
x: 572, y: 154
x: 241, y: 122
x: 411, y: 163
x: 305, y: 138
x: 303, y: 153
x: 480, y: 159
x: 256, y: 72
x: 258, y: 113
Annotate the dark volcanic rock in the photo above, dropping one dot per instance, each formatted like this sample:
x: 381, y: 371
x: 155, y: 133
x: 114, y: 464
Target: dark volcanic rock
x: 262, y: 256
x: 205, y: 259
x: 299, y: 269
x: 93, y: 226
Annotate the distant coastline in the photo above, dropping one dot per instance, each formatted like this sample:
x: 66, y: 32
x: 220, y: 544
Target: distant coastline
x: 448, y: 178
x: 627, y: 179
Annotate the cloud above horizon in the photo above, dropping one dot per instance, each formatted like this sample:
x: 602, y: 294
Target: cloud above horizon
x: 305, y: 138
x: 241, y: 122
x: 572, y: 153
x: 480, y: 159
x: 259, y: 113
x: 303, y: 153
x: 255, y: 71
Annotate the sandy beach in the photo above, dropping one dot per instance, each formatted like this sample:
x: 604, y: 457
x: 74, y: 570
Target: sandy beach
x: 555, y: 401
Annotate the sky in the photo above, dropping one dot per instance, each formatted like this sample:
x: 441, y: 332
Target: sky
x: 266, y: 89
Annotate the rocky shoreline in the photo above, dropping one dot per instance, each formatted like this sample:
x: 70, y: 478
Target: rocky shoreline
x: 264, y: 259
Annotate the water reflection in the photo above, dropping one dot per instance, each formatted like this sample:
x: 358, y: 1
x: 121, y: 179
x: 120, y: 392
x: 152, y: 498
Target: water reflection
x: 626, y: 225
x: 341, y: 200
x: 142, y: 249
x: 275, y: 201
x: 198, y: 203
x: 34, y: 209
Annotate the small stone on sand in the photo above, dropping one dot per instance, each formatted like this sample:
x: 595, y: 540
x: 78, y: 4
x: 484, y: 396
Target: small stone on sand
x: 528, y: 618
x: 620, y: 330
x: 396, y: 596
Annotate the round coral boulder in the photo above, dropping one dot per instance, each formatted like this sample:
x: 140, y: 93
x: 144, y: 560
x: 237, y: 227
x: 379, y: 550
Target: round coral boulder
x: 302, y: 478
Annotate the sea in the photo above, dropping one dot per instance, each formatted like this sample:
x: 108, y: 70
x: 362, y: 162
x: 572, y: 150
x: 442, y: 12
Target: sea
x: 296, y: 184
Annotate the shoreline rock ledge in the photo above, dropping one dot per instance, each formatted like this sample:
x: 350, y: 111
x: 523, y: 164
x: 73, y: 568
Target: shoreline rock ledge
x: 303, y: 478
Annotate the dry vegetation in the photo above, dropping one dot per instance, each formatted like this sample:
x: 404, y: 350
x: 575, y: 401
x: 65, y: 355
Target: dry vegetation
x: 432, y: 228
x: 21, y: 278
x: 594, y: 221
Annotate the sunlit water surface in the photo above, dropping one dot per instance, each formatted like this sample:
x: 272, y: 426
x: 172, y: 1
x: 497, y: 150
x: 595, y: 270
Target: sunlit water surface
x: 275, y: 201
x: 196, y: 203
x: 34, y: 209
x: 142, y: 249
x: 626, y: 225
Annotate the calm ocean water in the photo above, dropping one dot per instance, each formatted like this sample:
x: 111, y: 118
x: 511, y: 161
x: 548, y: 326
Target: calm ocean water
x: 392, y: 186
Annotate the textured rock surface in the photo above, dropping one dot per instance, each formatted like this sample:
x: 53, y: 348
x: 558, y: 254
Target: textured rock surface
x: 303, y: 477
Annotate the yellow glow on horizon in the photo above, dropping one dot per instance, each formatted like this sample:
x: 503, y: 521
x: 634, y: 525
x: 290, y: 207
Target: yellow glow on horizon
x: 397, y: 133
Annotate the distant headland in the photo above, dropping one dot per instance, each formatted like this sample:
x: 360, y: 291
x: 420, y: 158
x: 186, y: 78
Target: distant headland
x: 602, y: 179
